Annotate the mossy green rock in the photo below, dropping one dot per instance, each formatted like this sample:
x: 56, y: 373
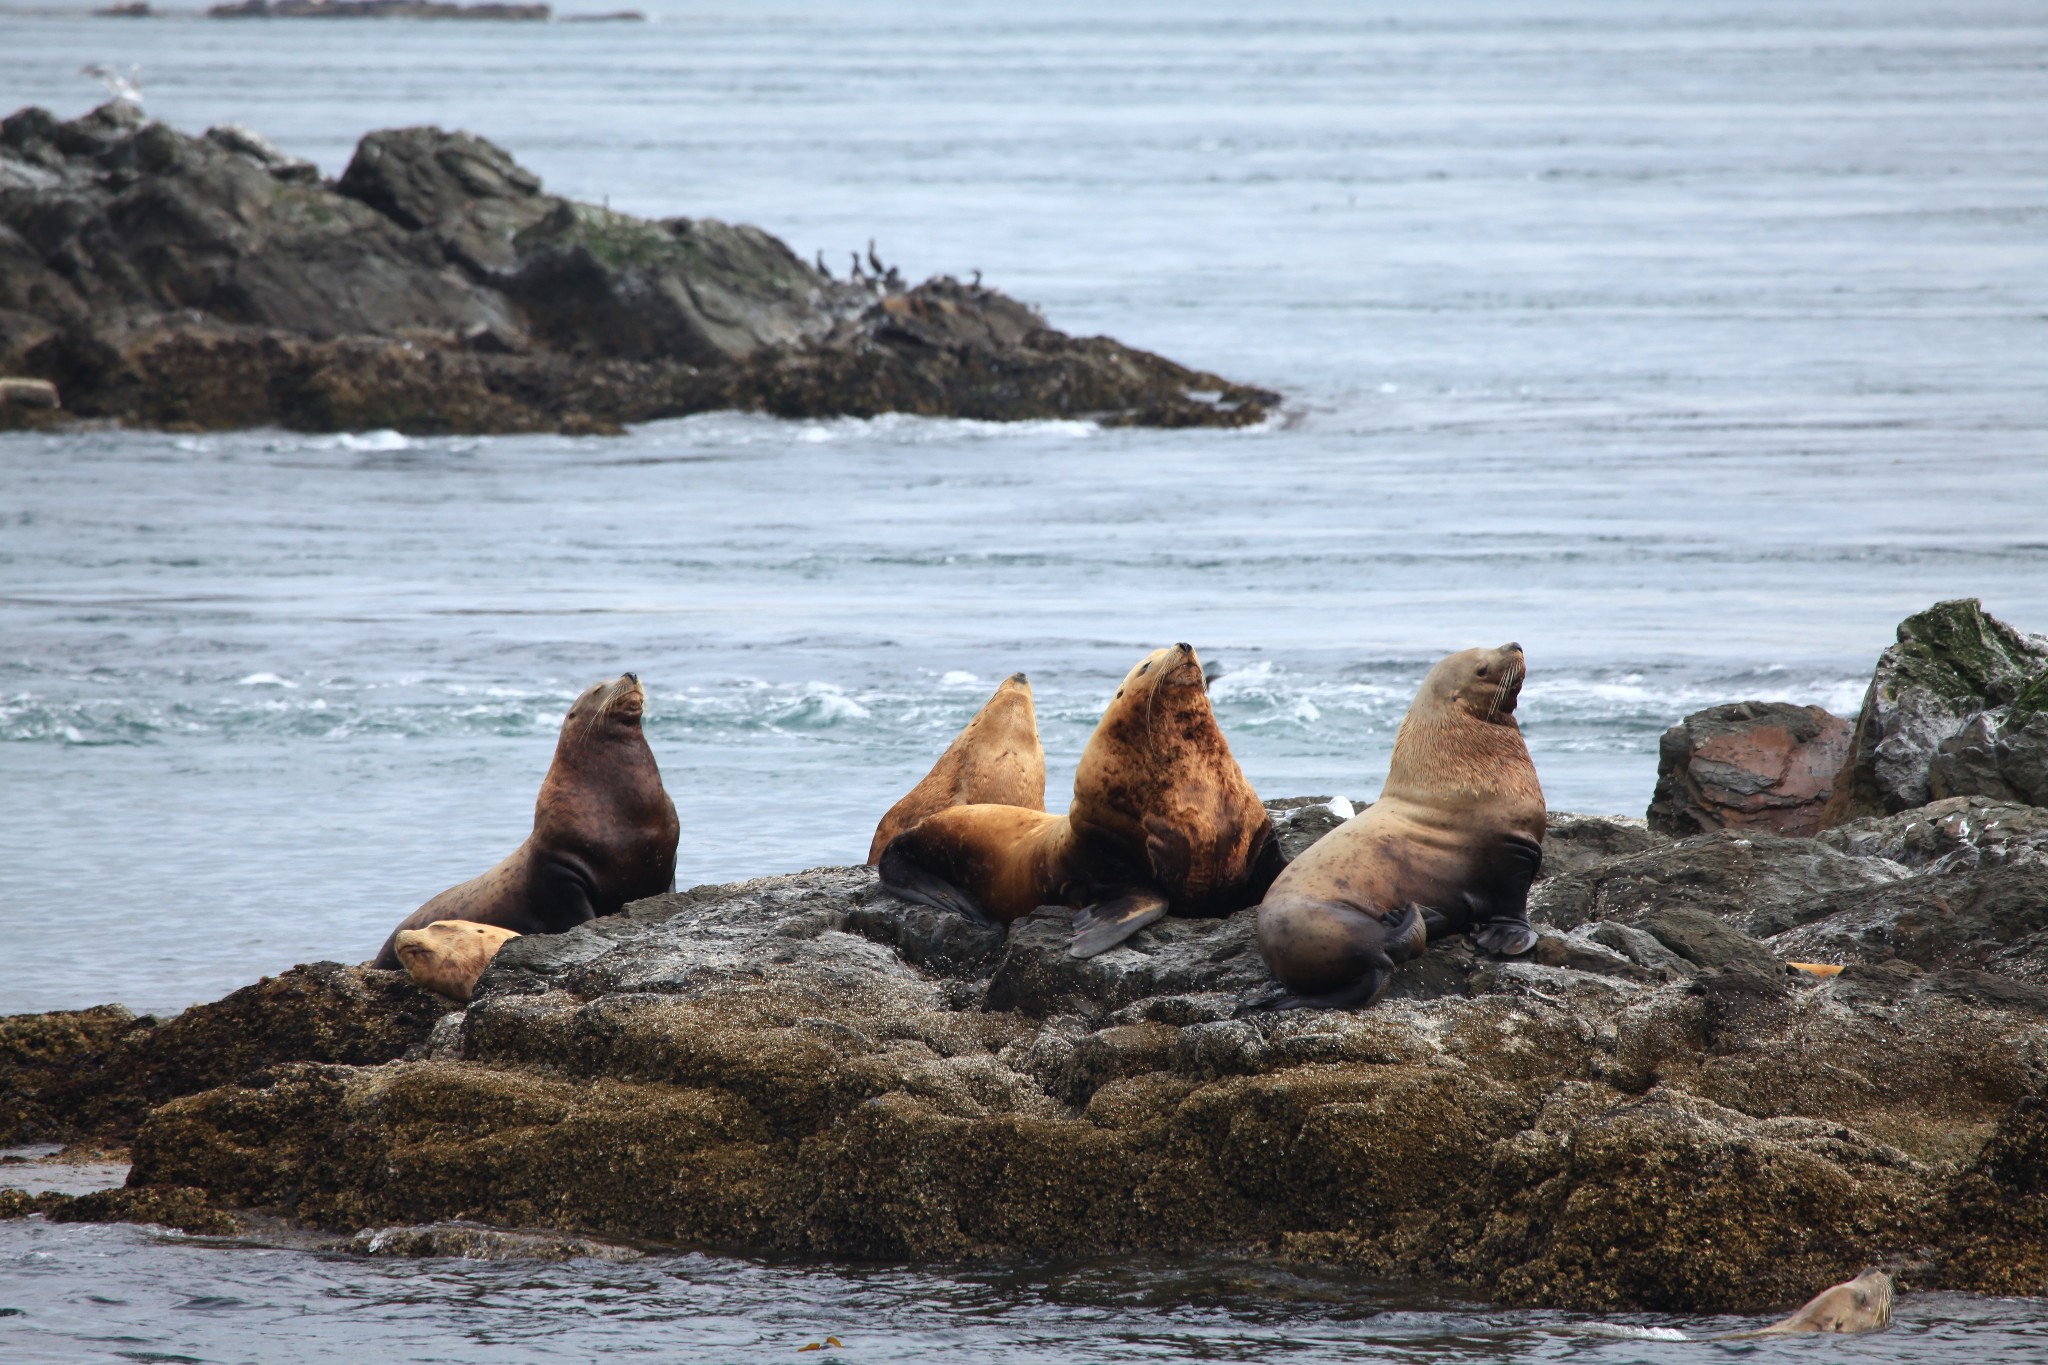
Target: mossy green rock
x: 1951, y: 663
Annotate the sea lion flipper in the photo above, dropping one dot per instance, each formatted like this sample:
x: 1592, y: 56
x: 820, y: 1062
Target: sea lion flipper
x: 1369, y: 986
x: 1508, y: 937
x: 1100, y: 927
x: 901, y: 875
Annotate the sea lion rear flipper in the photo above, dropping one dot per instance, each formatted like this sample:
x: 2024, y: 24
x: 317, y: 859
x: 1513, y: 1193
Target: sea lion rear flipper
x: 1100, y: 927
x: 1508, y: 937
x: 1368, y: 987
x: 903, y: 877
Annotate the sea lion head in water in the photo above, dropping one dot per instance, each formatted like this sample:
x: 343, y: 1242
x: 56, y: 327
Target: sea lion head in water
x: 604, y: 830
x: 1451, y: 846
x: 996, y: 760
x: 447, y: 956
x: 1863, y: 1304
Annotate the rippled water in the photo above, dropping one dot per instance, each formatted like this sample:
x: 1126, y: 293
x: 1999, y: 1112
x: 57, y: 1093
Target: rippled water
x: 181, y: 1299
x: 1690, y: 346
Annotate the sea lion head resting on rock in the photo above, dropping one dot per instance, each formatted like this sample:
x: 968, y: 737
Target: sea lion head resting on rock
x: 447, y: 956
x: 1863, y: 1304
x: 604, y: 831
x: 996, y: 760
x: 1162, y: 821
x: 1450, y: 847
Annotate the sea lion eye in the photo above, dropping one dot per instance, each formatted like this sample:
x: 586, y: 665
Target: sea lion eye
x: 1482, y: 670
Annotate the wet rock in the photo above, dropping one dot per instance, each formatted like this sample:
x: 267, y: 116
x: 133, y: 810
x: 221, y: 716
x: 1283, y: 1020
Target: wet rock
x: 1572, y: 843
x: 1976, y: 827
x: 1972, y: 914
x: 1644, y: 1111
x: 1951, y: 662
x: 1748, y: 765
x: 475, y: 1242
x: 172, y: 1206
x: 217, y: 282
x: 1706, y: 940
x: 1300, y: 821
x: 1760, y: 883
x: 95, y: 1073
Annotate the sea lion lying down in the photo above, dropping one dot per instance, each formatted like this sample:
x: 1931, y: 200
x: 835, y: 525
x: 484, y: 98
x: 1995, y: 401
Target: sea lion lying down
x: 447, y: 956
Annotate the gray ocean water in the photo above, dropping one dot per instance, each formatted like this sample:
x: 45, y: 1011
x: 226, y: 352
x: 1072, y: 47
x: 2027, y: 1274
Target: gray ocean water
x: 1691, y: 346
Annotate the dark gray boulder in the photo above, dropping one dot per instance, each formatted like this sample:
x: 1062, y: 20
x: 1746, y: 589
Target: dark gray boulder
x: 436, y: 286
x: 1759, y: 883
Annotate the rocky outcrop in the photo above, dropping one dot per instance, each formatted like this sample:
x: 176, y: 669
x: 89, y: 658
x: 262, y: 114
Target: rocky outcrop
x: 1748, y: 765
x: 1647, y: 1110
x: 93, y: 1074
x: 436, y: 286
x: 1958, y: 707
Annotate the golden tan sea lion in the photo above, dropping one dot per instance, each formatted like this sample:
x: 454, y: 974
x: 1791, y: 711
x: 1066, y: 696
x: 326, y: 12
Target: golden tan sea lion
x: 1450, y: 847
x: 1863, y: 1304
x: 1162, y: 821
x: 447, y: 956
x: 996, y: 760
x: 604, y: 831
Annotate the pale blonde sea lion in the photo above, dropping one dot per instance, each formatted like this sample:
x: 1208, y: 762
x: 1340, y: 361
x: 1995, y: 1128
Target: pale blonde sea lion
x: 604, y: 831
x: 1863, y: 1304
x: 996, y: 760
x: 1162, y: 821
x: 1451, y: 846
x: 447, y: 956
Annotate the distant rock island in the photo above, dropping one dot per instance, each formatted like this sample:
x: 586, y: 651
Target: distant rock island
x: 376, y: 9
x: 212, y: 282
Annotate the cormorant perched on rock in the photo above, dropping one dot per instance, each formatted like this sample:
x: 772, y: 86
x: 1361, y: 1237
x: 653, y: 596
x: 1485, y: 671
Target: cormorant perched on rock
x: 874, y: 261
x: 892, y: 280
x: 824, y: 269
x: 855, y: 274
x: 977, y: 279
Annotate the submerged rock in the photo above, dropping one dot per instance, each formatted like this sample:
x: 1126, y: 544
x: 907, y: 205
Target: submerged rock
x: 475, y: 1242
x: 1748, y: 765
x: 436, y: 286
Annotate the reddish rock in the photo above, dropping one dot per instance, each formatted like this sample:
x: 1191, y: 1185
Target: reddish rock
x: 1748, y: 765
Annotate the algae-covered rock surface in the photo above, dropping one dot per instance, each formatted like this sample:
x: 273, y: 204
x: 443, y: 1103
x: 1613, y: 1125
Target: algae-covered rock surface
x: 212, y: 281
x: 92, y: 1074
x: 1648, y: 1110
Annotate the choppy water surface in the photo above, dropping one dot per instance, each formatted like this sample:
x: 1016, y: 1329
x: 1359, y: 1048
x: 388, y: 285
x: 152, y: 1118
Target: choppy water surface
x: 182, y: 1299
x: 1691, y: 347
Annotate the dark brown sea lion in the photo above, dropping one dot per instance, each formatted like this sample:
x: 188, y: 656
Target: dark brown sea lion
x: 447, y: 956
x: 1162, y: 821
x: 604, y: 831
x: 1450, y: 847
x: 996, y: 760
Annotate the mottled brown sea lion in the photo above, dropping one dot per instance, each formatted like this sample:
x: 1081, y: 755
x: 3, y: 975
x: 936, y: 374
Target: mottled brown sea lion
x: 604, y: 831
x: 1450, y: 847
x: 996, y: 760
x: 1162, y: 821
x: 1863, y: 1304
x: 447, y: 956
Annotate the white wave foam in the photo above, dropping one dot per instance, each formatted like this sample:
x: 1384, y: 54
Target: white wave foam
x: 822, y: 704
x: 264, y: 680
x: 958, y: 677
x: 382, y: 439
